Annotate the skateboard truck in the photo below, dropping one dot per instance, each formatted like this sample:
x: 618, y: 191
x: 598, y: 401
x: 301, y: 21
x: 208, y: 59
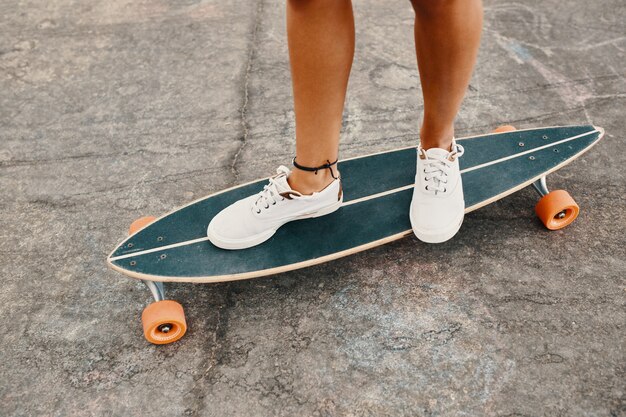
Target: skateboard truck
x: 542, y: 189
x: 156, y: 288
x: 158, y: 293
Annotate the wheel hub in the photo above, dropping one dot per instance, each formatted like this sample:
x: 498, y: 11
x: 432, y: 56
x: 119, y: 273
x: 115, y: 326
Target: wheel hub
x: 165, y: 328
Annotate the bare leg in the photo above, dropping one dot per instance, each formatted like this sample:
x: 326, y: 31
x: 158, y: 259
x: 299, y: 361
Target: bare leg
x: 447, y: 36
x: 321, y: 46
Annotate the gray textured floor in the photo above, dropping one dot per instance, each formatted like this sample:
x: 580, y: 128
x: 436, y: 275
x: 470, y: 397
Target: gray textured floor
x: 113, y: 110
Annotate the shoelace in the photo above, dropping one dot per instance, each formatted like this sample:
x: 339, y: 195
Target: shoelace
x: 270, y: 194
x: 436, y: 169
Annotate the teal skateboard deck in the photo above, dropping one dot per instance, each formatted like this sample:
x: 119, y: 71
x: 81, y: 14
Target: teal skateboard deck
x: 377, y: 194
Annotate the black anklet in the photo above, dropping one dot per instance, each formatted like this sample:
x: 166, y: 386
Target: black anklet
x: 328, y: 165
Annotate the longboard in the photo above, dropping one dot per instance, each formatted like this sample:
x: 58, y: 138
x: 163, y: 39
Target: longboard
x: 377, y: 194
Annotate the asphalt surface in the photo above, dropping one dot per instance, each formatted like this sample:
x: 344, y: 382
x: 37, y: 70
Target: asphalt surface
x: 114, y: 110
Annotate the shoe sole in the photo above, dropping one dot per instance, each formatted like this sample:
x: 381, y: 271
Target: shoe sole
x: 262, y: 237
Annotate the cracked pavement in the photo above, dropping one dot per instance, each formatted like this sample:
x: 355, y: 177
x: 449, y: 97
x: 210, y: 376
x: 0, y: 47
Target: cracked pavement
x: 114, y: 110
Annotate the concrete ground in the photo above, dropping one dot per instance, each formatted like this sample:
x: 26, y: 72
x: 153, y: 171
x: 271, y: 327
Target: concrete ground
x: 113, y: 110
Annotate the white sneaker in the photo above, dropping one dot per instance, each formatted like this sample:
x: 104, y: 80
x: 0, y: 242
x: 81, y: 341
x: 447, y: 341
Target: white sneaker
x: 253, y: 220
x: 437, y: 207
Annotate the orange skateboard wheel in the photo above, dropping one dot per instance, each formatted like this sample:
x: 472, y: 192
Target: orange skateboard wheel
x: 140, y: 223
x: 163, y: 322
x: 504, y: 128
x: 557, y: 209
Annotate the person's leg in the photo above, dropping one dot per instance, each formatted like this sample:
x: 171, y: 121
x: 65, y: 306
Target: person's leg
x: 447, y: 36
x: 321, y: 46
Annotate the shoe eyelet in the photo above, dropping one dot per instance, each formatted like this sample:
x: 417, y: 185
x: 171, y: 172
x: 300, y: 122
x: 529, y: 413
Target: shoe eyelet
x: 258, y: 211
x: 445, y: 189
x: 266, y: 207
x: 426, y: 188
x: 274, y: 203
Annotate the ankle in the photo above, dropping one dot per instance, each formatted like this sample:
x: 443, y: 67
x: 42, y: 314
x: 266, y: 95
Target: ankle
x: 436, y: 138
x: 306, y: 182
